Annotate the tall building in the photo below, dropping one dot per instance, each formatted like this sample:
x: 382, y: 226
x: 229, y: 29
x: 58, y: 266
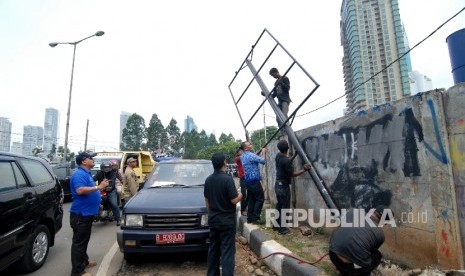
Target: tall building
x: 372, y: 37
x: 5, y: 134
x: 33, y: 136
x: 189, y: 124
x: 123, y: 119
x: 17, y: 148
x: 50, y: 129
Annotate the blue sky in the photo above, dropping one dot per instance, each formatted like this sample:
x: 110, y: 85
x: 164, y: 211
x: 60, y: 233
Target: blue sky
x: 177, y: 58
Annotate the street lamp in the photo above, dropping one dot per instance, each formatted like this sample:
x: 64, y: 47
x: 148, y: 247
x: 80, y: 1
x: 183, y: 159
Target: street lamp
x: 53, y: 44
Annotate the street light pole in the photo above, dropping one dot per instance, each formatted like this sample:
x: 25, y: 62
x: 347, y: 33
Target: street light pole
x: 53, y: 44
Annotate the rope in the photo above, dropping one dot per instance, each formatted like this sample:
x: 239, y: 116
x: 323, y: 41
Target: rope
x: 301, y: 261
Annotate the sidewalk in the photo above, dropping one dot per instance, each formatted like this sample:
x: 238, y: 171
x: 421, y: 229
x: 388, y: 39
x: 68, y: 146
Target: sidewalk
x: 261, y: 242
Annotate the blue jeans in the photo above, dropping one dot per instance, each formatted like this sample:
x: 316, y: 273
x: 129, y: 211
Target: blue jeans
x: 113, y: 200
x: 256, y: 198
x: 222, y: 250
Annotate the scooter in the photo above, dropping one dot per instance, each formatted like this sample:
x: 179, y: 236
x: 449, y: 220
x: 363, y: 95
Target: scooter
x: 105, y: 213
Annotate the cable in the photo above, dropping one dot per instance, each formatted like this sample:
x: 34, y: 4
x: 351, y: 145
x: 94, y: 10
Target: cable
x: 301, y: 261
x: 387, y: 66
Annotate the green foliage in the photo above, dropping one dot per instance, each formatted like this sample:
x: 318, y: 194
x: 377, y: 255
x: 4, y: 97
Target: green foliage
x: 157, y: 137
x: 212, y: 140
x: 191, y: 144
x: 174, y: 136
x: 134, y: 133
x: 52, y: 152
x: 226, y: 138
x: 61, y: 151
x: 258, y: 136
x: 229, y: 148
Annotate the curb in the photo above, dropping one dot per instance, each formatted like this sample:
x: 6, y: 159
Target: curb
x: 262, y: 246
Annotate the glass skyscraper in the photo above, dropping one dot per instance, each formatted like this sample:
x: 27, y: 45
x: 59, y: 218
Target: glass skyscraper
x: 372, y: 37
x: 50, y: 130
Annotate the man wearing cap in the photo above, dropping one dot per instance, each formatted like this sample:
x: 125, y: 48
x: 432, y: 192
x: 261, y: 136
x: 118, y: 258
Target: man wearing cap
x: 354, y: 249
x: 85, y: 205
x: 130, y: 184
x: 284, y: 173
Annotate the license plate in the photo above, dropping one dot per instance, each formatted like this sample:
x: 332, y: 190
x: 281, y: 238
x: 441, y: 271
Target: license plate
x: 170, y: 238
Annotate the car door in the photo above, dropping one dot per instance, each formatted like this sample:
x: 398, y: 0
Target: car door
x: 16, y: 201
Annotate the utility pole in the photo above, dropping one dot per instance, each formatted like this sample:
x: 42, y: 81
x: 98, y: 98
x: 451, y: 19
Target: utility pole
x: 87, y: 134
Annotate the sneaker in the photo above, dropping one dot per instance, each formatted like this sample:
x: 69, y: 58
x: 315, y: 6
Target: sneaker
x: 91, y: 263
x: 118, y: 222
x: 244, y: 213
x: 275, y: 228
x: 284, y: 231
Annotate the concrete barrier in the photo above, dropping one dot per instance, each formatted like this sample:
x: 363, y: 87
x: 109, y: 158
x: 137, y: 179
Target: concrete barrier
x: 400, y: 155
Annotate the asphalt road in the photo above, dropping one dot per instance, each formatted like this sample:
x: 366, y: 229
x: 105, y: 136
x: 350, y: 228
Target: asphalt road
x: 102, y: 248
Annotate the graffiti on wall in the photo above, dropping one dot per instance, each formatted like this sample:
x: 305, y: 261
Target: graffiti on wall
x: 363, y: 152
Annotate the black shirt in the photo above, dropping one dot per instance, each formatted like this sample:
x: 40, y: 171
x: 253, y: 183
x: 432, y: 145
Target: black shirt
x: 284, y: 169
x: 356, y: 243
x: 219, y: 190
x: 283, y: 85
x: 111, y: 176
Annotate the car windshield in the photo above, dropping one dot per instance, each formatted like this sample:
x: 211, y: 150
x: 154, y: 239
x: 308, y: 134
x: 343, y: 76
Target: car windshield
x: 182, y: 174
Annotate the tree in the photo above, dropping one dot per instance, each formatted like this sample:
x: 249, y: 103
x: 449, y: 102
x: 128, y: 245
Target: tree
x: 226, y: 138
x: 212, y: 140
x: 134, y: 133
x: 203, y: 139
x: 229, y: 148
x: 174, y: 136
x: 191, y: 144
x: 61, y: 151
x: 156, y: 135
x: 52, y: 153
x: 37, y: 150
x: 258, y: 136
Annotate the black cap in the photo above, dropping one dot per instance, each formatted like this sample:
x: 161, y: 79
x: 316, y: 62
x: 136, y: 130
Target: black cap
x: 83, y: 156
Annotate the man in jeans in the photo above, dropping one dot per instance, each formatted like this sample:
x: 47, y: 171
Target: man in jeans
x: 221, y: 198
x: 85, y: 205
x: 256, y: 197
x: 284, y: 173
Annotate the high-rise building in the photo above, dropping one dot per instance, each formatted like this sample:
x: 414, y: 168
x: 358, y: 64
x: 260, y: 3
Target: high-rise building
x: 123, y: 119
x: 373, y: 37
x: 17, y: 148
x: 189, y: 124
x: 50, y: 129
x: 5, y: 134
x: 33, y: 136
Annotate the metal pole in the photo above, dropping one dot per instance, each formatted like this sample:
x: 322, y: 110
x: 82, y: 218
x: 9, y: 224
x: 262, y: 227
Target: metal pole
x: 292, y: 138
x: 65, y: 155
x: 87, y: 133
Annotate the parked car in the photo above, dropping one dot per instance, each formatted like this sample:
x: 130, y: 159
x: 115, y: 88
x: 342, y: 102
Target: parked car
x: 31, y: 211
x: 168, y: 214
x: 64, y: 172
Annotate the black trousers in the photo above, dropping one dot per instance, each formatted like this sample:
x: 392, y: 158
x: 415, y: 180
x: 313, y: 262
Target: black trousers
x: 82, y: 228
x: 256, y: 198
x: 222, y: 250
x: 349, y: 270
x: 244, y: 200
x: 283, y: 196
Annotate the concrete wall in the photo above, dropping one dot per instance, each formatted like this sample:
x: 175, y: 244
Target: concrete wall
x: 397, y: 155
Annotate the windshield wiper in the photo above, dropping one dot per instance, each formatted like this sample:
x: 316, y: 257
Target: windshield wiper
x: 170, y: 185
x: 197, y: 185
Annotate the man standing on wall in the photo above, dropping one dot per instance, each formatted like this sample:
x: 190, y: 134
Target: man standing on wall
x: 85, y: 205
x: 256, y: 197
x: 221, y: 198
x: 284, y: 173
x: 282, y: 86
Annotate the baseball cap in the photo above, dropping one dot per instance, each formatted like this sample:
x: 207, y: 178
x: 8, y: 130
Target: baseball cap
x: 130, y: 159
x: 83, y: 156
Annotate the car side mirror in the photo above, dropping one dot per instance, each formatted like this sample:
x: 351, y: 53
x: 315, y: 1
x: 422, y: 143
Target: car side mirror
x: 73, y: 164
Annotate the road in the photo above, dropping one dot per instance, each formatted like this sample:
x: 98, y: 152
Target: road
x: 102, y: 248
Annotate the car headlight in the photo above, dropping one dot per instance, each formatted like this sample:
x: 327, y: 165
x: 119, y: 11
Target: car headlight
x: 204, y: 220
x: 134, y: 221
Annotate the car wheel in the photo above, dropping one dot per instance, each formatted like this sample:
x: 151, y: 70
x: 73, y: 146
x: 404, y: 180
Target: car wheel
x: 36, y: 250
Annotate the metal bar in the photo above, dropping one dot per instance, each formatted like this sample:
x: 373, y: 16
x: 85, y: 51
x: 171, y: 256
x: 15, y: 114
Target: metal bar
x: 255, y: 113
x: 293, y: 139
x: 240, y: 116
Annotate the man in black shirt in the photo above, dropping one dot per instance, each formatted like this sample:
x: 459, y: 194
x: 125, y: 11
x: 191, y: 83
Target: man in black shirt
x: 354, y: 250
x: 284, y: 173
x: 221, y: 197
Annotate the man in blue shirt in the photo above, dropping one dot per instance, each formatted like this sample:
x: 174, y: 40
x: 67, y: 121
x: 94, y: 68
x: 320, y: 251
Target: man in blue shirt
x: 250, y: 163
x: 86, y: 203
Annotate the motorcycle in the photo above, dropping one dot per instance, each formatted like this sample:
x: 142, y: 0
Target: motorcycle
x: 105, y: 213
